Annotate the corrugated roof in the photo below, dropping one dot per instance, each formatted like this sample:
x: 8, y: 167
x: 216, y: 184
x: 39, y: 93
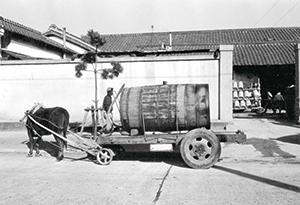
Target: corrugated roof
x: 258, y: 46
x: 29, y: 32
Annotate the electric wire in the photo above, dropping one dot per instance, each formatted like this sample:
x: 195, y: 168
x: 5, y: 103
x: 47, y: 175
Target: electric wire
x: 287, y: 13
x: 265, y: 13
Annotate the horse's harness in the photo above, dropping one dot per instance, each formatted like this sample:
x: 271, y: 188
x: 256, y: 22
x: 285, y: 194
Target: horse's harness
x: 44, y: 119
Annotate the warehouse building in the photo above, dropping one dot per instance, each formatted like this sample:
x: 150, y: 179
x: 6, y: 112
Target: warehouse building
x: 262, y: 58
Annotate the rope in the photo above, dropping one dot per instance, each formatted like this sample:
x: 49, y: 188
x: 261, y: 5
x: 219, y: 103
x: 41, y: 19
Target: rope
x: 55, y: 145
x: 44, y: 119
x: 36, y: 133
x: 64, y: 138
x: 54, y: 133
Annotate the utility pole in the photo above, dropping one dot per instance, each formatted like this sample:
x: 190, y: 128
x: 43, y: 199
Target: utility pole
x: 96, y: 95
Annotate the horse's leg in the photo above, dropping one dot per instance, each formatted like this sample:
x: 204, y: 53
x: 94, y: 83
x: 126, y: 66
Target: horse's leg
x: 38, y: 141
x: 281, y: 106
x: 60, y: 144
x: 267, y: 106
x: 274, y: 107
x: 31, y: 141
x: 65, y: 142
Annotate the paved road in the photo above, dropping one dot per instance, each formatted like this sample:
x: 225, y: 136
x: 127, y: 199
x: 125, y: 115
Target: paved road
x: 264, y: 170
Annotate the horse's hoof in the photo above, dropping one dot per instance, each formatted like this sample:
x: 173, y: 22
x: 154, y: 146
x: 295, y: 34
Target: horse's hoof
x: 58, y: 159
x: 29, y: 155
x: 38, y: 154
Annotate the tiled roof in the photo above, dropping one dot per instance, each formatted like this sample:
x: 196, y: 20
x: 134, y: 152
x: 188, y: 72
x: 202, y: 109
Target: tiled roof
x: 259, y: 46
x: 53, y: 30
x: 264, y: 54
x: 29, y: 32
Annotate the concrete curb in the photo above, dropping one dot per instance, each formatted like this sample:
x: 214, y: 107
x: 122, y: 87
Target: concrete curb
x: 12, y: 126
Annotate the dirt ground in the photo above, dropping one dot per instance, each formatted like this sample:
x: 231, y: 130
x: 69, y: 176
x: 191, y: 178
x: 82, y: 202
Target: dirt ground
x: 264, y: 170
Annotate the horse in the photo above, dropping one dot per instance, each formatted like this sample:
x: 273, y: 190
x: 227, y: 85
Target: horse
x: 55, y: 119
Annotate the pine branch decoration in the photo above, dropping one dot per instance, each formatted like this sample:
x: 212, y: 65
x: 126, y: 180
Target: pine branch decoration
x: 113, y: 72
x: 79, y: 67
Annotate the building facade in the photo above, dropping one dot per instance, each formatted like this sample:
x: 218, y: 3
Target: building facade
x: 262, y: 59
x: 19, y: 42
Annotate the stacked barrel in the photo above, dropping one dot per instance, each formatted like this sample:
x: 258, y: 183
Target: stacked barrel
x: 246, y: 98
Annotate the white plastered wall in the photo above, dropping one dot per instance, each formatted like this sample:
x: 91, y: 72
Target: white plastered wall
x: 31, y: 50
x: 53, y: 83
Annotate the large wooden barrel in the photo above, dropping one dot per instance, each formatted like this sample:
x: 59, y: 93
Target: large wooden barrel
x: 165, y: 107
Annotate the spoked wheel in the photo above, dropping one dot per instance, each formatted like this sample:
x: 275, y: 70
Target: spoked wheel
x: 200, y: 148
x: 105, y: 156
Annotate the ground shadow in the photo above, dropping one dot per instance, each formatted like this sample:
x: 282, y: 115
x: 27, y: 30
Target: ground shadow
x: 294, y: 139
x: 268, y: 148
x: 277, y: 118
x: 259, y: 179
x: 48, y: 146
x: 171, y: 158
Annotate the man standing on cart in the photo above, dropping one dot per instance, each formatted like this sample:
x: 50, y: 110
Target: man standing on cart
x: 107, y: 101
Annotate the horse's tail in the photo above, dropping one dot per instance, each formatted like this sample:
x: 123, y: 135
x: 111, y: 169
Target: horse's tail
x: 61, y: 117
x: 65, y: 124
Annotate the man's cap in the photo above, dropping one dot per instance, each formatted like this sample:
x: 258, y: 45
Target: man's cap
x: 109, y: 89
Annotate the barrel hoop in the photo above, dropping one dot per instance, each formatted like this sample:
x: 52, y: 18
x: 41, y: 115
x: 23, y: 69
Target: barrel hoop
x: 157, y: 113
x: 141, y: 121
x: 136, y: 120
x: 185, y: 105
x: 202, y: 107
x: 170, y: 107
x: 180, y: 99
x: 190, y: 96
x: 127, y: 105
x: 176, y: 109
x: 207, y: 107
x: 199, y: 106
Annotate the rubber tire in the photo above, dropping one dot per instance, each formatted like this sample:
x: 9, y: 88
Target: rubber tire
x: 104, y: 156
x: 209, y: 146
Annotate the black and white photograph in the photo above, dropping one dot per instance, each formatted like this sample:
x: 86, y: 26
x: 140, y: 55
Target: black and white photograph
x: 161, y: 102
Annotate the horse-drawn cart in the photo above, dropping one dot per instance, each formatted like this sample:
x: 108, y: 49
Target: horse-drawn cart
x: 165, y: 118
x: 104, y: 156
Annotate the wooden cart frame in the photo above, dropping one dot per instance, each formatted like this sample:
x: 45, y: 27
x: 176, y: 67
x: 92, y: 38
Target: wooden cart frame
x: 199, y: 148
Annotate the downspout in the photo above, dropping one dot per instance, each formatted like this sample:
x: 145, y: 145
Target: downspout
x: 64, y: 42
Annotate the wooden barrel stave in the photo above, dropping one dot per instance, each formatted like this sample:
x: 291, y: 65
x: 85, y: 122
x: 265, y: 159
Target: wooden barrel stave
x: 157, y: 107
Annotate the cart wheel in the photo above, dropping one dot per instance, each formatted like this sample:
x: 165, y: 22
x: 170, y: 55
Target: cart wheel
x: 200, y: 148
x: 104, y: 156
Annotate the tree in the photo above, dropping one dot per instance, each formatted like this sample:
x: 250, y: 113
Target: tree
x: 95, y: 39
